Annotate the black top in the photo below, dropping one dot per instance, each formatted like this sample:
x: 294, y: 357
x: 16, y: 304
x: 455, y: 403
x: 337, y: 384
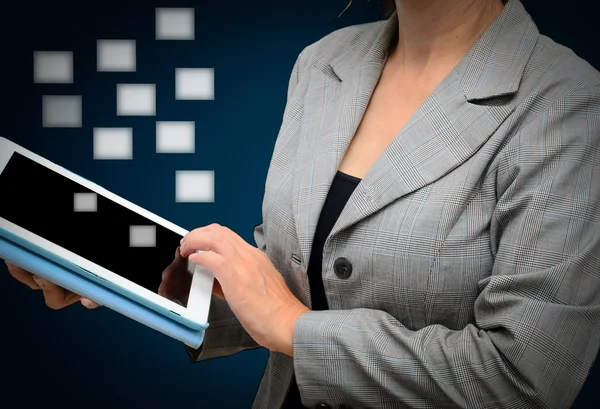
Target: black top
x: 342, y: 187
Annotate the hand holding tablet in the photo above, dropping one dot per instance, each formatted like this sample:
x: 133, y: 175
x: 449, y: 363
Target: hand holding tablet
x: 147, y: 261
x: 132, y: 252
x: 174, y: 286
x: 55, y: 296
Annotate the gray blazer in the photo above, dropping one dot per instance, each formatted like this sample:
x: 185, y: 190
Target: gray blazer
x: 473, y: 241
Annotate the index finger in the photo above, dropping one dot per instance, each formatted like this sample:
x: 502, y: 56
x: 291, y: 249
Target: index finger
x: 23, y: 276
x: 213, y: 238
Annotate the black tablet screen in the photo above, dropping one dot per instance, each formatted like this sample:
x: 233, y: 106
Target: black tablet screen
x: 71, y: 216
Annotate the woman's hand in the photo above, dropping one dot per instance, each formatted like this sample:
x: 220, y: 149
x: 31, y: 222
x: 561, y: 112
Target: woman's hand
x: 175, y: 285
x: 254, y: 289
x: 56, y: 297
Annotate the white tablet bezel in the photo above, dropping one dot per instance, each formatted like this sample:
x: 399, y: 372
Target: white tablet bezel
x: 202, y: 280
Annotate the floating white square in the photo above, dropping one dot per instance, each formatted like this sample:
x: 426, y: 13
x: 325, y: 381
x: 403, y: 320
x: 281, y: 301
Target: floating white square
x: 113, y: 143
x: 136, y: 99
x: 175, y: 137
x: 53, y: 67
x: 195, y: 83
x: 61, y: 111
x: 174, y: 23
x: 85, y: 202
x: 116, y: 56
x: 142, y: 236
x: 195, y: 186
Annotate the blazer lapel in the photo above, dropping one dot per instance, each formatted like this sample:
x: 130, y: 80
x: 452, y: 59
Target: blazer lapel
x: 445, y: 132
x: 325, y: 139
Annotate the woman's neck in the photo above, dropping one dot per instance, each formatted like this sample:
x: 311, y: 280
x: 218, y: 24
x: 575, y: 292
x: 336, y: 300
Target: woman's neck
x: 433, y: 32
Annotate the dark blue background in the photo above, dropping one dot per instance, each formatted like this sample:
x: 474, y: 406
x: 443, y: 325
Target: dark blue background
x: 98, y: 358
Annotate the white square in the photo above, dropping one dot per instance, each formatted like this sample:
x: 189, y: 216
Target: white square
x: 195, y: 186
x: 174, y: 23
x: 142, y: 236
x: 195, y: 83
x: 116, y: 56
x: 53, y: 67
x: 175, y: 137
x: 85, y: 202
x: 136, y: 99
x: 113, y: 143
x: 61, y: 111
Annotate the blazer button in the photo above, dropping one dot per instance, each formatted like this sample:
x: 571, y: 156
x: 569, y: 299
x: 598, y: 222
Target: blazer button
x: 322, y: 406
x: 342, y: 268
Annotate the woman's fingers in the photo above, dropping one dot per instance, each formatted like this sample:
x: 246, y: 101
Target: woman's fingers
x: 213, y: 238
x: 214, y: 262
x: 23, y: 276
x: 56, y: 297
x: 89, y: 304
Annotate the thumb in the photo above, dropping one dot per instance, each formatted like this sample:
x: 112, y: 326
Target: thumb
x: 215, y: 263
x: 89, y: 304
x: 217, y: 291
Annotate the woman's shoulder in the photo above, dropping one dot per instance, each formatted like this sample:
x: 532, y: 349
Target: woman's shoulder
x: 345, y: 43
x: 556, y: 67
x: 557, y: 104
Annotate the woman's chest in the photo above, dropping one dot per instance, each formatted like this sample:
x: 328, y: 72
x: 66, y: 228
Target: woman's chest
x: 420, y: 258
x: 417, y: 233
x: 387, y: 113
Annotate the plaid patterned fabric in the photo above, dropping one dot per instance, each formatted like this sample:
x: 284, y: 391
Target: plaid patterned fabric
x: 474, y: 239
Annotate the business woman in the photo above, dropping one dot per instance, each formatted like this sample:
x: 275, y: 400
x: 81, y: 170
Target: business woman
x: 431, y: 221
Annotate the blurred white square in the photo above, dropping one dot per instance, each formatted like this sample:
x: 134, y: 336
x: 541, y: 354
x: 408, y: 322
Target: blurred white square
x: 195, y: 83
x: 174, y: 23
x: 113, y: 143
x: 53, y: 67
x: 61, y: 111
x: 142, y: 236
x: 195, y: 186
x: 175, y: 137
x: 136, y: 99
x: 85, y: 202
x: 116, y: 56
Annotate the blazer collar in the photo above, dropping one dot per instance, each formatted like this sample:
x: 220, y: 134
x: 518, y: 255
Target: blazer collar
x: 492, y: 68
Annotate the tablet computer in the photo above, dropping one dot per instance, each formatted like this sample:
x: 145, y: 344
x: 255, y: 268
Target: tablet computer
x: 96, y: 233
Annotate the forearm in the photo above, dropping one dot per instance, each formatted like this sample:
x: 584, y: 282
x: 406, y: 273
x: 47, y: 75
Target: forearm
x: 366, y: 358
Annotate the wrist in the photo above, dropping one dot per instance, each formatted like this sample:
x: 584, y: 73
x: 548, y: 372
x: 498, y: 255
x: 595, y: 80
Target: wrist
x: 285, y: 338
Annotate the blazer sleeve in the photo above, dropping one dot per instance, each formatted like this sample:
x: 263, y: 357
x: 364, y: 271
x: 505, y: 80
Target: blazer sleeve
x: 537, y: 318
x: 225, y: 335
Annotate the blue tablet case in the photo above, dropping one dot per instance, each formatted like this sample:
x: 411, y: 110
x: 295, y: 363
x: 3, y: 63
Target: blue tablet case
x: 87, y: 288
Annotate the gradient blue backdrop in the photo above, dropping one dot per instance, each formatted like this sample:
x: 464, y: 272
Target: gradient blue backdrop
x: 97, y: 359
